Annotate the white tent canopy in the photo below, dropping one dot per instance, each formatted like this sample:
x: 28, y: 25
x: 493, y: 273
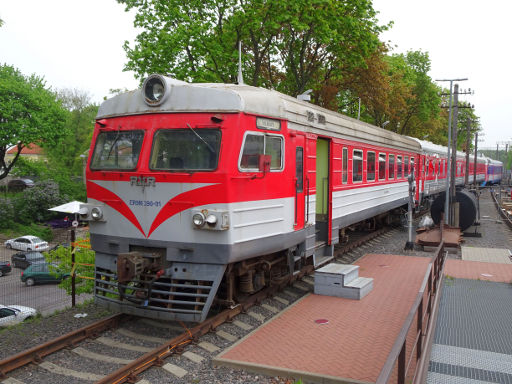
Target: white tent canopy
x: 71, y: 207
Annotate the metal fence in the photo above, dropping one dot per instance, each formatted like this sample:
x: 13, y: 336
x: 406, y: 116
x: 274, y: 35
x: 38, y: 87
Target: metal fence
x: 45, y: 297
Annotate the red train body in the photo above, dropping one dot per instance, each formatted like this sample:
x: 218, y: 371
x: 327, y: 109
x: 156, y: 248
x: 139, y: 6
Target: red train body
x: 203, y: 193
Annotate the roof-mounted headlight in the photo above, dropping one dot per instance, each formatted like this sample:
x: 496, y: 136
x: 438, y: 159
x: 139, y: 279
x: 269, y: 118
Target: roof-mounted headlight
x: 154, y: 90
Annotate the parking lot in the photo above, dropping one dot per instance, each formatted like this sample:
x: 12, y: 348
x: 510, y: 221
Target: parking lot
x: 46, y: 298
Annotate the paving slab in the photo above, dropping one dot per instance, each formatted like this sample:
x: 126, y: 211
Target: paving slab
x: 354, y: 338
x: 488, y: 255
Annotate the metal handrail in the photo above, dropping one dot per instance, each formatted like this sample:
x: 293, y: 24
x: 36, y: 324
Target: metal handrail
x: 430, y: 283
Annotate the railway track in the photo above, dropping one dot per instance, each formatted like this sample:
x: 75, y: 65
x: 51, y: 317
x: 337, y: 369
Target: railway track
x: 122, y: 348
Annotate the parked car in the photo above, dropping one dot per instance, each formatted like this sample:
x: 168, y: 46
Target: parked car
x: 42, y: 273
x: 25, y: 259
x: 5, y: 267
x: 19, y: 184
x: 14, y: 314
x: 27, y: 243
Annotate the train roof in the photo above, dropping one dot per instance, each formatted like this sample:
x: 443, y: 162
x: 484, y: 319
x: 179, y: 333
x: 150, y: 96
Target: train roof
x: 231, y: 98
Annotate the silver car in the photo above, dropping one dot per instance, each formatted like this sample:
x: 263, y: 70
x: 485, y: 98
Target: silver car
x: 27, y: 243
x: 14, y: 314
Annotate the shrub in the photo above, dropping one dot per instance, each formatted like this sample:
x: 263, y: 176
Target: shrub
x: 34, y: 203
x: 6, y: 213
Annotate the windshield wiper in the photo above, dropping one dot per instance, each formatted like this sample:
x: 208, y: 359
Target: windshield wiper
x: 114, y: 142
x: 200, y: 138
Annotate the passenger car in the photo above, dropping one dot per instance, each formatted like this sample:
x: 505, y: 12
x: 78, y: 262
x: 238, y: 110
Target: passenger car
x: 27, y: 243
x: 20, y: 184
x: 41, y: 273
x: 14, y: 314
x: 5, y: 267
x: 25, y: 259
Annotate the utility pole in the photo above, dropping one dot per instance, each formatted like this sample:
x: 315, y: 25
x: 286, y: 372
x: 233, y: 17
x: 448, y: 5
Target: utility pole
x: 453, y: 170
x: 475, y: 164
x: 447, y: 185
x: 468, y: 137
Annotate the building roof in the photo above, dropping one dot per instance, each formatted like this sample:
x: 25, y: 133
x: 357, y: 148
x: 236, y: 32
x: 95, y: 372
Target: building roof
x: 30, y: 149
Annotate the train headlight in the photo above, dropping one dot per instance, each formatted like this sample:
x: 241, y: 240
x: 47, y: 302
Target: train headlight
x: 198, y: 219
x: 211, y: 220
x: 96, y: 213
x: 154, y: 89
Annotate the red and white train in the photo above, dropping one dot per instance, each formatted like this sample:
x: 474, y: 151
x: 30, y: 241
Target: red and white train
x: 203, y: 193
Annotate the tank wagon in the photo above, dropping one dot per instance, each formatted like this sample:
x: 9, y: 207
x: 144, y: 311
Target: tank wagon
x: 205, y: 193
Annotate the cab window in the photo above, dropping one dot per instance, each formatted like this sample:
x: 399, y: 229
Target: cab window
x: 117, y: 150
x: 185, y: 150
x: 256, y: 144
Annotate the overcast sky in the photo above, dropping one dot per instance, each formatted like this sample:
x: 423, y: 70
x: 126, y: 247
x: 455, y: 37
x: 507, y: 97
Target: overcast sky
x: 78, y: 44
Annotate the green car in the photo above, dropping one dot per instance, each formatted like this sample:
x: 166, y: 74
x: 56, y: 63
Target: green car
x: 41, y: 273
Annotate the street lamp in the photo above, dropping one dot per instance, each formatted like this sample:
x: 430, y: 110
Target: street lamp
x: 84, y: 158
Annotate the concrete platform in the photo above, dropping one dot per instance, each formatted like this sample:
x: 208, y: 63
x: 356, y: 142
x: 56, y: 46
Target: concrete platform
x: 490, y: 255
x: 352, y: 346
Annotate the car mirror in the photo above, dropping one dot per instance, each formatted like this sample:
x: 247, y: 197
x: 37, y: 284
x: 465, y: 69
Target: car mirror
x: 264, y: 163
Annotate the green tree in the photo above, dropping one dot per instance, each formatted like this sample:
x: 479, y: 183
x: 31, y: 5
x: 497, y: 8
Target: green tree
x: 424, y: 102
x: 80, y: 125
x: 288, y: 45
x: 29, y: 113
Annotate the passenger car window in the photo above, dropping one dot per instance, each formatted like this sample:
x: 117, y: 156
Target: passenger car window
x: 406, y: 166
x: 370, y: 166
x: 399, y: 167
x: 256, y: 144
x: 391, y: 167
x: 345, y: 166
x: 117, y: 150
x: 183, y: 150
x: 357, y: 166
x: 382, y: 166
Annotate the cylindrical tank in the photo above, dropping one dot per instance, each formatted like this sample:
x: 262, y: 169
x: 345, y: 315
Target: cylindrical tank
x: 467, y: 208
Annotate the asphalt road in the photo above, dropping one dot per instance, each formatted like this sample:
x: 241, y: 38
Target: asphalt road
x: 46, y: 298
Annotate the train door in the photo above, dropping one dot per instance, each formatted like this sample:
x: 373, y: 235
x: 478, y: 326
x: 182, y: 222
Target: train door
x: 322, y: 190
x: 300, y: 203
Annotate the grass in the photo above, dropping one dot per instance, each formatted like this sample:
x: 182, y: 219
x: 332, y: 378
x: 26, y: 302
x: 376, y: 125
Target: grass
x: 17, y: 229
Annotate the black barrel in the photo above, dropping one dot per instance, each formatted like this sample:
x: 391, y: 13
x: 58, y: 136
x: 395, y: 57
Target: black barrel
x: 467, y: 208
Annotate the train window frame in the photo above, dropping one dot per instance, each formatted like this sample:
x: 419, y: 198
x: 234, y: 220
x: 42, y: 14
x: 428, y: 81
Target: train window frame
x: 385, y: 165
x: 368, y: 162
x: 344, y: 165
x: 391, y: 166
x: 117, y: 134
x: 153, y: 162
x: 399, y: 167
x: 265, y: 135
x: 354, y: 162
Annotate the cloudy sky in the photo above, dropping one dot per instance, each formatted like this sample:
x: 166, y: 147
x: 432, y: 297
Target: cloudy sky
x: 78, y: 44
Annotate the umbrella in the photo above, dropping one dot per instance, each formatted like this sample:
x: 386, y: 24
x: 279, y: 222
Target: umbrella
x: 71, y: 207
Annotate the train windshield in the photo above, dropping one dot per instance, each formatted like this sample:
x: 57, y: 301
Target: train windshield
x: 117, y: 150
x: 185, y: 150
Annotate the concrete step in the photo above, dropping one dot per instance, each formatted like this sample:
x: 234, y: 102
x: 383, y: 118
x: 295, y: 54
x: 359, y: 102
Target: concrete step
x: 341, y: 280
x: 338, y: 274
x: 356, y: 290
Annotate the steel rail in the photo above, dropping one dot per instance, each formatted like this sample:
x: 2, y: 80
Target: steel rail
x: 507, y: 218
x: 36, y: 354
x: 155, y: 357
